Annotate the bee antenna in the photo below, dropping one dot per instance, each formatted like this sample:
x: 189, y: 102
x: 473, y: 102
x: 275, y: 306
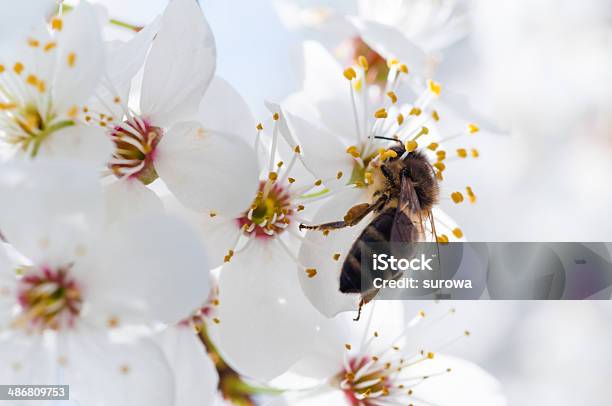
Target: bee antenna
x: 388, y: 138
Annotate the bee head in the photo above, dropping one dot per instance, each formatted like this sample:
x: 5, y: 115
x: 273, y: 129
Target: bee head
x: 398, y: 148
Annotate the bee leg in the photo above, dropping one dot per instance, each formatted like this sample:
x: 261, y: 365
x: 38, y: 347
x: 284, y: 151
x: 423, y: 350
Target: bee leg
x: 353, y: 216
x: 361, y: 303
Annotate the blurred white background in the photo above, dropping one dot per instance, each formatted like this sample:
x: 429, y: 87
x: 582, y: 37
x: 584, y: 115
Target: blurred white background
x: 541, y: 70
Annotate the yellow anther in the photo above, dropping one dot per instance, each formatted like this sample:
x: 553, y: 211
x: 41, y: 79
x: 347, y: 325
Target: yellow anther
x: 439, y: 166
x: 442, y: 239
x: 358, y: 85
x: 300, y: 207
x: 350, y: 73
x: 7, y: 106
x: 41, y: 86
x: 71, y: 59
x: 435, y: 115
x: 291, y: 180
x: 462, y: 153
x: 369, y: 178
x: 424, y: 131
x: 392, y: 96
x: 400, y: 119
x: 391, y: 62
x: 18, y: 68
x: 2, y: 69
x: 229, y: 256
x: 441, y: 155
x: 216, y: 320
x: 311, y: 272
x: 363, y: 62
x: 458, y: 233
x: 381, y: 113
x: 435, y: 88
x: 72, y: 113
x: 470, y: 193
x: 347, y: 346
x: 473, y: 128
x: 273, y: 176
x: 297, y: 149
x: 212, y: 214
x: 404, y: 69
x: 457, y: 197
x: 389, y: 154
x: 57, y: 24
x: 339, y: 175
x: 430, y: 355
x: 32, y: 80
x: 415, y: 111
x: 411, y: 145
x: 49, y: 46
x: 318, y: 182
x: 336, y: 257
x: 433, y: 146
x: 475, y: 153
x: 33, y: 43
x: 275, y: 116
x: 117, y: 100
x: 353, y: 151
x: 259, y: 127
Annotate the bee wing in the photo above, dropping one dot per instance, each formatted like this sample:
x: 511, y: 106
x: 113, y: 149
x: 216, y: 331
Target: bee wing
x: 408, y: 208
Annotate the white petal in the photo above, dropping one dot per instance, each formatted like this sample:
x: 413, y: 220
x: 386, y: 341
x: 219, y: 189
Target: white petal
x: 128, y: 198
x: 324, y: 154
x: 323, y: 290
x: 266, y: 323
x: 328, y: 89
x: 390, y: 43
x: 128, y: 58
x: 8, y: 287
x: 19, y: 18
x: 126, y: 61
x: 105, y: 372
x: 25, y: 360
x: 80, y: 60
x: 219, y: 235
x: 149, y: 267
x: 466, y: 384
x: 180, y: 65
x: 45, y: 222
x: 207, y: 171
x: 195, y: 374
x: 223, y: 109
x: 88, y: 144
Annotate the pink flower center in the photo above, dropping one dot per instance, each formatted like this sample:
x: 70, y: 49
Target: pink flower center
x: 135, y: 147
x: 270, y: 213
x: 365, y: 380
x: 49, y: 298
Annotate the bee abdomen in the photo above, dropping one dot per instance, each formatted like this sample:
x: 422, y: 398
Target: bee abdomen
x: 378, y: 231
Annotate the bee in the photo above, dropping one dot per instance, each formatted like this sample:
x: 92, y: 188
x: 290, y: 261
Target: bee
x: 403, y: 190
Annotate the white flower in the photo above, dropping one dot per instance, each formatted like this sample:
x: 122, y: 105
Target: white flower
x: 336, y: 123
x: 409, y: 29
x: 262, y: 322
x: 388, y: 359
x: 53, y: 72
x: 195, y: 376
x: 80, y: 289
x: 170, y: 126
